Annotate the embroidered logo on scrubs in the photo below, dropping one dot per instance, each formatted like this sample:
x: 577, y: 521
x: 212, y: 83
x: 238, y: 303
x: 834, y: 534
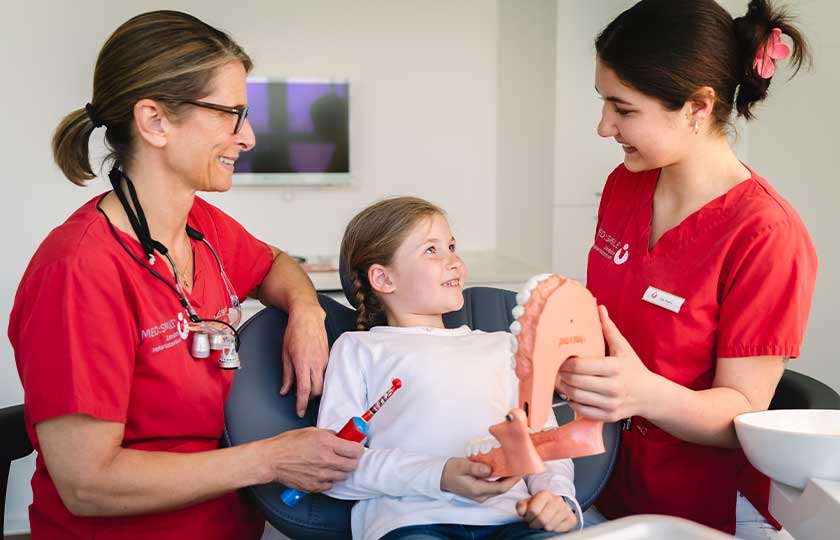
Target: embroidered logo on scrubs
x: 611, y: 248
x: 167, y: 334
x: 621, y: 258
x: 183, y: 327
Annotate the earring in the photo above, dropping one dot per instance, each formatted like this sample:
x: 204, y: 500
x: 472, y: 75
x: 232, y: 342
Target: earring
x: 696, y: 127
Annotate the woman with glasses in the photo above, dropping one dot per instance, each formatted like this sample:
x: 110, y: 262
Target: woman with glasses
x: 118, y: 317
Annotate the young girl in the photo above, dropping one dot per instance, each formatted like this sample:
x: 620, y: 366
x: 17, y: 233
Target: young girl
x: 400, y: 255
x: 708, y: 273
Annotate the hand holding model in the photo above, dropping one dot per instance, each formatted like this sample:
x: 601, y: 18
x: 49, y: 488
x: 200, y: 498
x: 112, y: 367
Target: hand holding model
x: 547, y: 511
x: 607, y: 389
x: 468, y: 479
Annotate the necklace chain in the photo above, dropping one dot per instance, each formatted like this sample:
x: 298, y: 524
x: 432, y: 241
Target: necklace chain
x: 184, y: 276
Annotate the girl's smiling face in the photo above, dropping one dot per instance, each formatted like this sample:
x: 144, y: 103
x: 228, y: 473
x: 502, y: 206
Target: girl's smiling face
x: 425, y: 278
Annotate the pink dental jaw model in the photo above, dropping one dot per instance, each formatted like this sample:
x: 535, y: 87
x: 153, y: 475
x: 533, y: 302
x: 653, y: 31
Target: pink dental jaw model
x: 556, y: 318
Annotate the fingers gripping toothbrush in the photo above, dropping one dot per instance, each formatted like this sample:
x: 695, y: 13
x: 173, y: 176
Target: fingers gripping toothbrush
x: 355, y: 430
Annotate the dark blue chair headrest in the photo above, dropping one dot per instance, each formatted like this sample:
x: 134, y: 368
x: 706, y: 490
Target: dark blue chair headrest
x: 255, y: 410
x: 346, y: 285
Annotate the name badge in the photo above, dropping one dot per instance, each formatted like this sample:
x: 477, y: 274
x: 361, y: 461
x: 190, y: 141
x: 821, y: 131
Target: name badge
x: 663, y: 299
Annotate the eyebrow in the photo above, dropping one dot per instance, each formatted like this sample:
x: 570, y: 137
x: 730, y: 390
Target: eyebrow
x: 614, y: 99
x: 434, y: 241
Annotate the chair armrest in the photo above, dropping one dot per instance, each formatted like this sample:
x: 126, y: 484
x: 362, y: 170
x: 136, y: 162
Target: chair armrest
x: 798, y: 391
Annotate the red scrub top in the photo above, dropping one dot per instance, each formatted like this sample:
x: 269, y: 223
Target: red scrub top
x: 734, y: 279
x: 94, y: 333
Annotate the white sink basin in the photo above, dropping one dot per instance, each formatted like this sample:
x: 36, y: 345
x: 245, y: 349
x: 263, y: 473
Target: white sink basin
x: 792, y: 446
x: 647, y: 527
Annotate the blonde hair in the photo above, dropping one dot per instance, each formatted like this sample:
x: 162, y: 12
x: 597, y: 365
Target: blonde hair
x: 166, y: 56
x: 373, y: 237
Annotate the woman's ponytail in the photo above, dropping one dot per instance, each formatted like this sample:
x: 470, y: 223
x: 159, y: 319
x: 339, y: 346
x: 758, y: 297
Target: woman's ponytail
x: 70, y: 146
x: 752, y: 32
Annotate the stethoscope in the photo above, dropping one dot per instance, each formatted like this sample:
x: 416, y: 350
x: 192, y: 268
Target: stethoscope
x: 207, y: 334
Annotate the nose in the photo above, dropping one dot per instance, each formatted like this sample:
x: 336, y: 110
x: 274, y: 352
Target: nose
x: 246, y: 138
x: 606, y: 126
x: 455, y: 262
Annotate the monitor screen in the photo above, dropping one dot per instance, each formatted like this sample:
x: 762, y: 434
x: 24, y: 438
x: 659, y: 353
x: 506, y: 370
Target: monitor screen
x: 302, y: 132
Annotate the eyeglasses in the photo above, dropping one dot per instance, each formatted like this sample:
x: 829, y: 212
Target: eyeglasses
x: 241, y: 111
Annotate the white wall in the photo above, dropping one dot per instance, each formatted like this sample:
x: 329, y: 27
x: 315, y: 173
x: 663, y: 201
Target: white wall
x: 423, y: 110
x: 527, y: 44
x: 582, y: 159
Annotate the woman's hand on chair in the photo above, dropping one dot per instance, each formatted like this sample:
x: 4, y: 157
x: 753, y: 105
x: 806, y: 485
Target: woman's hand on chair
x: 305, y: 355
x: 309, y: 459
x: 466, y: 478
x: 611, y: 388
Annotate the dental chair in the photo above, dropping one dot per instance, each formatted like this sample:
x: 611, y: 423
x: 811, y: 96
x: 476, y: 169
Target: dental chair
x: 15, y: 445
x: 255, y: 410
x: 798, y: 391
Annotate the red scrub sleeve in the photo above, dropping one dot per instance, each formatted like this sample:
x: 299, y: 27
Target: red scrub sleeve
x: 246, y: 259
x: 767, y: 293
x: 75, y: 340
x: 766, y: 301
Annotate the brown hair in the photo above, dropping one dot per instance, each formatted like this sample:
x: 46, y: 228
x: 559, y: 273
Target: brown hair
x: 669, y: 49
x: 167, y: 56
x: 373, y: 237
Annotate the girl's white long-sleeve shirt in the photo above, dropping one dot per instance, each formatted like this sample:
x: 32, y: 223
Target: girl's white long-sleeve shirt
x: 456, y: 383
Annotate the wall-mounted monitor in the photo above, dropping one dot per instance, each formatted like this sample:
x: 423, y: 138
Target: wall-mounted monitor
x: 302, y: 128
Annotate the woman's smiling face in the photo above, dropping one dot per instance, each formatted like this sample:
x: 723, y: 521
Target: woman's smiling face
x: 650, y: 135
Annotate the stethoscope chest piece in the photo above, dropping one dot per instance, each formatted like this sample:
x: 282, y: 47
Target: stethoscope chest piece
x: 229, y: 358
x: 203, y: 343
x: 200, y: 347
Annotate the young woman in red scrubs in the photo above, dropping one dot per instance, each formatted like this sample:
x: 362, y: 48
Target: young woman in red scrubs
x: 124, y: 404
x: 704, y: 271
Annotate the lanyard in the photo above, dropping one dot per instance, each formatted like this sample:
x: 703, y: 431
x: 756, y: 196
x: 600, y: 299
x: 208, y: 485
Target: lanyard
x: 200, y: 327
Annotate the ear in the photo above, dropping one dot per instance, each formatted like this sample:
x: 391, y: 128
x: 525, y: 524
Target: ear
x: 700, y: 106
x: 151, y: 122
x: 380, y: 279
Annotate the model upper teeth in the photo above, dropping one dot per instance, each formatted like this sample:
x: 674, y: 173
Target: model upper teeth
x: 452, y: 283
x: 532, y: 283
x: 523, y: 296
x: 226, y: 161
